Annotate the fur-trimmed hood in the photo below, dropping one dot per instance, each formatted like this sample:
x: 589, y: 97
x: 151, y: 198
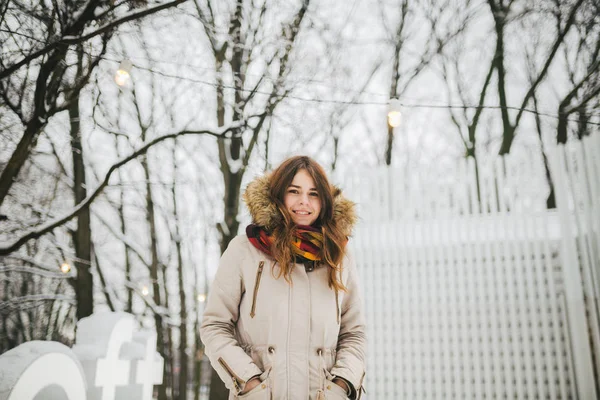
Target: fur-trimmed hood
x: 264, y: 212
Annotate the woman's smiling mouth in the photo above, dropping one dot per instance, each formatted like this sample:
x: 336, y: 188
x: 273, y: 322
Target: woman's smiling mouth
x: 301, y: 212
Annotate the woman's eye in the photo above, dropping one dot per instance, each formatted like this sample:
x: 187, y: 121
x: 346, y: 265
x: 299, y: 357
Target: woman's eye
x: 315, y: 194
x: 293, y: 191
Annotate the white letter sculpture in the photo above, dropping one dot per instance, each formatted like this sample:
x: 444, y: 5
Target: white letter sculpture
x: 41, y: 370
x: 147, y: 370
x: 98, y: 345
x: 108, y: 358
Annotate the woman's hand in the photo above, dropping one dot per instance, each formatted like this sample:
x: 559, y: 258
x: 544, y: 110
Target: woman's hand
x: 341, y: 383
x: 251, y: 384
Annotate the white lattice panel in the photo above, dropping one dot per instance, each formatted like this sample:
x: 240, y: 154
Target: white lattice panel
x: 466, y: 318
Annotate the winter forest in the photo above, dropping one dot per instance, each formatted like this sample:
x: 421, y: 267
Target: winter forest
x: 129, y: 129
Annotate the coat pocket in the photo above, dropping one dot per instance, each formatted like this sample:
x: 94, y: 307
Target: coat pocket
x: 334, y: 391
x: 259, y: 272
x: 237, y: 381
x: 260, y: 392
x: 263, y: 391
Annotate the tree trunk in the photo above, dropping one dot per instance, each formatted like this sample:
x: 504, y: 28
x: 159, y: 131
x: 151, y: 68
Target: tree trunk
x: 232, y: 203
x: 160, y: 337
x: 499, y: 24
x: 18, y: 157
x: 561, y: 129
x: 183, y: 357
x: 105, y: 290
x: 84, y: 285
x: 183, y: 338
x: 198, y: 358
x: 550, y: 200
x: 199, y: 346
x: 394, y: 89
x: 582, y: 123
x: 390, y: 144
x: 233, y: 180
x: 121, y: 211
x: 169, y: 350
x: 336, y: 143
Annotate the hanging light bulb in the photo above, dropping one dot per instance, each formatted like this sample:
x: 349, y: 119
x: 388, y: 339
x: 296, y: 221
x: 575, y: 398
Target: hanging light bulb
x: 201, y: 297
x: 122, y: 75
x: 65, y: 267
x: 394, y: 113
x: 145, y: 290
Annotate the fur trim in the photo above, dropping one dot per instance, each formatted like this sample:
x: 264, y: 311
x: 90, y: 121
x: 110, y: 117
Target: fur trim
x: 264, y: 212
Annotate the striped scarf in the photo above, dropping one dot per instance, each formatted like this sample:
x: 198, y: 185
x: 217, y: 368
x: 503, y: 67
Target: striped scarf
x: 306, y: 243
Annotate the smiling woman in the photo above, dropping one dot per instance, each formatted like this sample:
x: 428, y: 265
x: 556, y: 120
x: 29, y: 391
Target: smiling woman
x: 297, y: 332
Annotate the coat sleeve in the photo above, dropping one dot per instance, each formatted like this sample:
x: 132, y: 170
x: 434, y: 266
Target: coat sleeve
x: 221, y: 313
x: 352, y: 342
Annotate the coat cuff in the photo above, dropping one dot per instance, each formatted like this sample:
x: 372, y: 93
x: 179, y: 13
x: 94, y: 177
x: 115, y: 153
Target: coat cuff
x: 350, y: 389
x: 353, y: 378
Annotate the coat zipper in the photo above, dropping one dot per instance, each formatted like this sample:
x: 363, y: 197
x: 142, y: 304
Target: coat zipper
x: 258, y: 275
x: 289, y: 334
x: 337, y: 306
x: 237, y: 381
x: 361, y: 387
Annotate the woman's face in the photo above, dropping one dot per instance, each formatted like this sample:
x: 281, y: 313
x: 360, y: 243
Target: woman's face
x: 302, y: 200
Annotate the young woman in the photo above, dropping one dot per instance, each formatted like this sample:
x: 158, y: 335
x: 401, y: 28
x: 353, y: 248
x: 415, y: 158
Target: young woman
x: 284, y: 316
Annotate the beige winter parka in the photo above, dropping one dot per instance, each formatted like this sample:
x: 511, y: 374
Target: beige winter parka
x: 296, y: 337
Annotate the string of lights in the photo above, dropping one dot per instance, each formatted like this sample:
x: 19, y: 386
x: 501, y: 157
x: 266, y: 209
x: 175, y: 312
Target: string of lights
x: 397, y: 104
x: 303, y: 80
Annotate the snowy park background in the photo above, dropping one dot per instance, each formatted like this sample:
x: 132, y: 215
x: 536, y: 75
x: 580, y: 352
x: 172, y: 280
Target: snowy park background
x: 128, y: 130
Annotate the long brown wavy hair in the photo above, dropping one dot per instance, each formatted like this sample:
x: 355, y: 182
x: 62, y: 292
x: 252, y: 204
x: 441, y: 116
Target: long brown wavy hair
x: 334, y: 240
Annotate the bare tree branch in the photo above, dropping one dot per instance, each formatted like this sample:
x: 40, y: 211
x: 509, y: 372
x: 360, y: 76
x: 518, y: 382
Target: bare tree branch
x: 35, y: 233
x: 80, y: 39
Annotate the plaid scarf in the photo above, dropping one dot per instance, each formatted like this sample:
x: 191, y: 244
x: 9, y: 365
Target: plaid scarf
x: 306, y: 243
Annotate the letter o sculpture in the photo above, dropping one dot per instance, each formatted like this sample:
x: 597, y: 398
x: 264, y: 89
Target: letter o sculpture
x: 37, y: 365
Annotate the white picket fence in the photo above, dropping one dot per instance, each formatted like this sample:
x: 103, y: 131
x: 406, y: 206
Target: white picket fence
x: 482, y: 299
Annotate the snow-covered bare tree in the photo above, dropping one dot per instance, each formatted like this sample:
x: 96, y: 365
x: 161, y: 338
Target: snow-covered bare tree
x: 417, y: 31
x: 40, y: 42
x: 503, y: 51
x: 506, y: 12
x: 575, y: 83
x: 581, y: 55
